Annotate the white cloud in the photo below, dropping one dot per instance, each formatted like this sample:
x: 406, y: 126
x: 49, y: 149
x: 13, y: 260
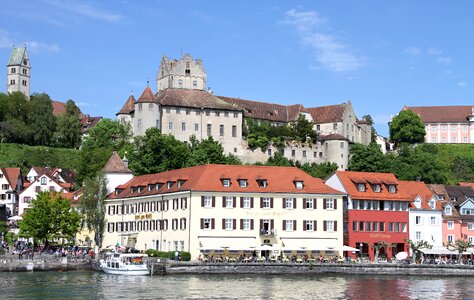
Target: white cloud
x: 444, y: 60
x: 413, y: 51
x: 328, y: 50
x: 461, y: 84
x: 434, y: 52
x: 86, y: 10
x: 6, y: 41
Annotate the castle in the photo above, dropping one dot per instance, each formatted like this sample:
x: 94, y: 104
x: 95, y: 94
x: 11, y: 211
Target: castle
x: 183, y: 108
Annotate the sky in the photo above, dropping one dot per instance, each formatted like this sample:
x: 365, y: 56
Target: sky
x: 380, y: 55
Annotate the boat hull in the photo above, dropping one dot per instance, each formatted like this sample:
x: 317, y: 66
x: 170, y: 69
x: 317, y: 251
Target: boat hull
x: 137, y: 272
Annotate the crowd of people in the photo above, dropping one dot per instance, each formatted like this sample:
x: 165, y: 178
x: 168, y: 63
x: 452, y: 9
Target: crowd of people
x: 24, y: 250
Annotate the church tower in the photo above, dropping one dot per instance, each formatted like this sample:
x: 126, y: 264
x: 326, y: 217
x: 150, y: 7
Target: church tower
x: 18, y: 72
x: 185, y: 73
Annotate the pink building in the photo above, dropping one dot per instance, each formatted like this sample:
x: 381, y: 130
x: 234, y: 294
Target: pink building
x: 447, y: 124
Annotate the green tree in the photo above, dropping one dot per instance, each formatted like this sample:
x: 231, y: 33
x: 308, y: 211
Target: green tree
x: 16, y: 110
x: 42, y: 121
x: 155, y: 152
x: 460, y: 245
x: 50, y: 217
x: 206, y: 151
x: 368, y: 158
x: 303, y: 130
x: 278, y: 159
x: 415, y: 247
x: 407, y: 127
x: 322, y: 170
x: 370, y: 121
x: 68, y: 127
x: 92, y: 206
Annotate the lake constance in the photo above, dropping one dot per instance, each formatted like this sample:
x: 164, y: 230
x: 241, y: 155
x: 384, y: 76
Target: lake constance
x: 95, y: 285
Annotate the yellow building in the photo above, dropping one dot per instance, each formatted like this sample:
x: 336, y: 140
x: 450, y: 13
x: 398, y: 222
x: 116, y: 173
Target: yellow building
x: 217, y: 208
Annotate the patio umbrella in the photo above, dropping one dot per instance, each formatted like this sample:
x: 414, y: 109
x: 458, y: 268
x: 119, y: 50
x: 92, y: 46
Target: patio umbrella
x: 401, y: 255
x: 265, y: 247
x: 15, y: 218
x: 348, y: 248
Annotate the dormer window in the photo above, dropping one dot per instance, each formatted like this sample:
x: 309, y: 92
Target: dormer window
x: 377, y: 188
x: 181, y: 182
x: 262, y: 183
x: 150, y: 187
x: 454, y: 198
x: 432, y: 204
x: 418, y: 203
x: 391, y: 188
x: 243, y: 183
x: 361, y: 187
x: 132, y: 189
x: 140, y: 188
x: 158, y: 186
x: 226, y: 182
x: 440, y: 197
x: 299, y: 185
x: 169, y: 184
x: 448, y: 210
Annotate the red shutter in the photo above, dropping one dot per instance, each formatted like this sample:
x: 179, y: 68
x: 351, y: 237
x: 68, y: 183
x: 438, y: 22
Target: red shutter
x: 251, y: 202
x: 324, y: 226
x: 304, y: 203
x: 241, y: 202
x: 261, y: 202
x: 294, y: 225
x: 251, y: 224
x: 241, y: 224
x: 271, y: 202
x: 284, y: 225
x: 213, y: 223
x: 314, y: 225
x: 202, y: 201
x: 202, y: 224
x: 304, y: 225
x: 335, y: 203
x: 335, y: 225
x: 234, y: 224
x: 223, y: 223
x: 314, y: 203
x: 294, y: 202
x: 324, y: 203
x: 213, y: 201
x: 235, y: 202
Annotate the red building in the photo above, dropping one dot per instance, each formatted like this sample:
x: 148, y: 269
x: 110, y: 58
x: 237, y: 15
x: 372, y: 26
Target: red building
x: 375, y: 212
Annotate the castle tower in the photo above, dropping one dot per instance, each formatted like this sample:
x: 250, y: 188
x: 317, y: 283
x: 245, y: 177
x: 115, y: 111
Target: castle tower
x: 18, y: 72
x: 185, y: 73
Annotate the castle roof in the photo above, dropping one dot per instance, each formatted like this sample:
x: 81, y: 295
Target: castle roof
x: 207, y: 178
x: 192, y: 98
x: 128, y: 107
x: 442, y: 114
x: 16, y: 58
x: 115, y: 165
x: 147, y: 96
x: 328, y: 114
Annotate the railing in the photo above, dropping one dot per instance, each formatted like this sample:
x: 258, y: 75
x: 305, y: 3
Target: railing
x: 267, y: 232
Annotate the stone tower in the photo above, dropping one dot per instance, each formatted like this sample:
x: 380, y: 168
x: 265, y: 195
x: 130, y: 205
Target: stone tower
x: 185, y: 73
x: 18, y: 72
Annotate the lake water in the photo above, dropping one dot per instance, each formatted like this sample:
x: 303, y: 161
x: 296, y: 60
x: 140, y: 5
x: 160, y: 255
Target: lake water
x: 95, y: 285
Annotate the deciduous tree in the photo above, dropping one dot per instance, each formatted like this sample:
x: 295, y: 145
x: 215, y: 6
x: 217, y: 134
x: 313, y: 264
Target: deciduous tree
x: 42, y: 122
x: 407, y: 127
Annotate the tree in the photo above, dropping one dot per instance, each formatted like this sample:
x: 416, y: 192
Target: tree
x: 68, y: 127
x: 407, y: 127
x: 206, y: 151
x: 92, y: 206
x: 155, y: 152
x: 370, y: 121
x: 322, y: 170
x: 368, y: 159
x: 303, y: 130
x: 50, y: 217
x: 14, y: 118
x: 460, y: 245
x: 42, y: 121
x: 415, y: 247
x: 279, y: 160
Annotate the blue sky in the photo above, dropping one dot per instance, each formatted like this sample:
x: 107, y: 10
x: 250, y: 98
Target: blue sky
x: 381, y: 55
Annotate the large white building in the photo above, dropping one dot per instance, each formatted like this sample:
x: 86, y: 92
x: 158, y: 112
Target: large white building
x: 218, y: 207
x: 182, y: 107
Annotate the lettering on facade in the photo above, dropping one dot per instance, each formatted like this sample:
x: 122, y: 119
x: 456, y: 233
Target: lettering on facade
x: 380, y: 236
x: 266, y: 213
x: 143, y: 217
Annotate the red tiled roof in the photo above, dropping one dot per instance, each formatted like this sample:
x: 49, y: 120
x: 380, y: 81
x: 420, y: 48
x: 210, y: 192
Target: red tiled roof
x: 128, y: 107
x: 328, y: 114
x: 439, y: 189
x: 208, y: 178
x: 12, y: 175
x: 147, y: 96
x: 193, y: 98
x: 89, y: 122
x: 470, y: 184
x: 347, y: 177
x: 59, y: 108
x: 419, y: 188
x: 442, y: 114
x: 115, y: 165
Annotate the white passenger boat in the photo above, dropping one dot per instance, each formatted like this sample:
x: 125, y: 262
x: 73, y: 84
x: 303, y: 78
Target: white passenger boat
x: 125, y: 264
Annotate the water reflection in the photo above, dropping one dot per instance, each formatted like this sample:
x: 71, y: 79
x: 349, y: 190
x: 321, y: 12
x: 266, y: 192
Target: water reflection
x: 93, y: 285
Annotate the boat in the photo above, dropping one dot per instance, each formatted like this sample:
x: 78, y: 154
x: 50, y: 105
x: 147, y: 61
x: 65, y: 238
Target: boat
x: 124, y: 264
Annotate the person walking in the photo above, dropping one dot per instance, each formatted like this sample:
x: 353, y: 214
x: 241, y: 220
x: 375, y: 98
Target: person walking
x: 176, y: 255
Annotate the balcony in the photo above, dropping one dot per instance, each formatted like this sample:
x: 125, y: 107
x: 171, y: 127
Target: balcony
x: 267, y: 232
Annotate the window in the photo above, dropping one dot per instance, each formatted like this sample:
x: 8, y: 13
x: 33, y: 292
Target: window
x: 150, y: 107
x: 418, y: 235
x: 225, y: 182
x: 309, y: 203
x: 226, y: 114
x: 375, y: 226
x: 382, y: 226
x: 207, y: 201
x: 43, y: 181
x: 467, y: 211
x: 195, y: 83
x: 450, y: 225
x: 228, y: 224
x: 242, y: 183
x: 206, y: 224
x: 288, y: 225
x: 140, y: 107
x: 236, y: 114
x: 418, y: 220
x: 184, y: 203
x: 266, y: 202
x: 51, y: 188
x: 433, y: 139
x: 175, y: 204
x: 13, y: 70
x: 453, y: 139
x: 308, y: 225
x: 12, y: 82
x: 288, y: 203
x: 178, y: 110
x: 330, y: 226
x: 329, y: 203
x: 433, y: 220
x: 221, y: 130
x: 234, y: 130
x: 188, y: 111
x: 465, y: 139
x: 170, y: 125
x: 377, y: 188
x: 342, y: 143
x: 196, y: 127
x: 23, y: 82
x: 361, y: 187
x: 334, y: 126
x: 246, y: 224
x: 174, y: 224
x: 368, y: 226
x: 470, y: 239
x: 269, y: 152
x: 304, y: 153
x: 208, y: 112
x: 209, y: 129
x: 293, y: 152
x: 450, y: 238
x: 391, y: 188
x: 355, y: 226
x: 262, y: 183
x: 218, y: 113
x: 180, y: 83
x: 434, y: 128
x: 299, y: 185
x: 229, y: 202
x: 183, y: 126
x: 448, y: 210
x: 168, y: 110
x: 361, y: 226
x: 246, y: 202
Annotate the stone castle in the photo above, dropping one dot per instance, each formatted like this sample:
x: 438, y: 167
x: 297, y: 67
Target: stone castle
x: 184, y: 108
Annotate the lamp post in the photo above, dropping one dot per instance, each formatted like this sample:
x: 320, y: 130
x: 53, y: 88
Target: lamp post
x: 360, y: 249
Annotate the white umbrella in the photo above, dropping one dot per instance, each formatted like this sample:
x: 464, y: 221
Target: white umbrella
x: 265, y: 247
x: 15, y: 218
x: 401, y: 255
x: 348, y: 248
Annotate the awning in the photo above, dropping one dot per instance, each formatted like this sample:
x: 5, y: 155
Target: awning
x: 348, y: 249
x: 438, y: 250
x: 304, y: 244
x: 232, y: 244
